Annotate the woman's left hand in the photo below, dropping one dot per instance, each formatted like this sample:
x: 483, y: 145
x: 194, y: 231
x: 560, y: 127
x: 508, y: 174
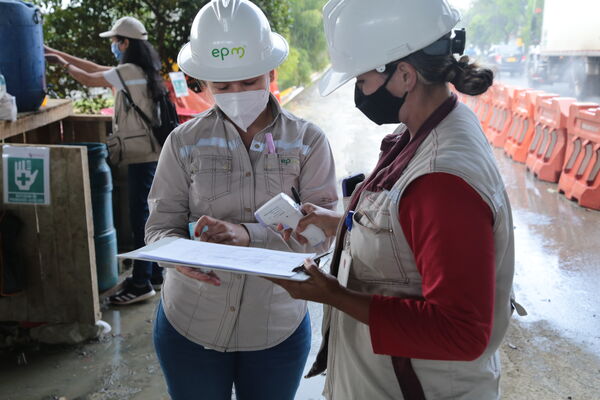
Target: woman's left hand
x: 55, y: 59
x: 213, y: 230
x: 320, y: 287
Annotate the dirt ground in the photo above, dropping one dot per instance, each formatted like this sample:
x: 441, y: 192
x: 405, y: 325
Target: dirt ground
x: 538, y: 363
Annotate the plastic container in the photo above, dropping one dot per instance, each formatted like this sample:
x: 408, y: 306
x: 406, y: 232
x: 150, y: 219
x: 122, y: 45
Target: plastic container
x: 22, y: 53
x: 105, y: 236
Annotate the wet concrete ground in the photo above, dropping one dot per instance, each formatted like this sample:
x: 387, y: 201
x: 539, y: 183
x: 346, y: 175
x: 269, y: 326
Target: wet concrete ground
x: 553, y: 353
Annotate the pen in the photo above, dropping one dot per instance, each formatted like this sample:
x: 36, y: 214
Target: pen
x: 296, y: 196
x: 270, y: 143
x: 301, y: 268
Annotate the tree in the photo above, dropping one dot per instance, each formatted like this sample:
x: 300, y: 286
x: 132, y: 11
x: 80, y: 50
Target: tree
x: 309, y: 48
x: 75, y: 28
x: 496, y: 21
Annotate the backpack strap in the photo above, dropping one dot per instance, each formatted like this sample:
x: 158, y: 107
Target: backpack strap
x: 131, y: 102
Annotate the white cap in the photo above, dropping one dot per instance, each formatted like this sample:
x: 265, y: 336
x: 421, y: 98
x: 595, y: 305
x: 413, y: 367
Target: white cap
x: 365, y: 35
x: 231, y: 40
x: 128, y: 27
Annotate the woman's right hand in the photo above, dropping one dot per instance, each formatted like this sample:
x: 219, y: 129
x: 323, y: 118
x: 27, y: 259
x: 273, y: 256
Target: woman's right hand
x: 198, y: 275
x: 323, y: 218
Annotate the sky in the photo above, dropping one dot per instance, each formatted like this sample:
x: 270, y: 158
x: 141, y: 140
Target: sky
x: 462, y: 4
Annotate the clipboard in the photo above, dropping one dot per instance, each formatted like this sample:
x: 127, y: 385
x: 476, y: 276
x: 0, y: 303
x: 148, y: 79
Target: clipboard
x: 141, y: 254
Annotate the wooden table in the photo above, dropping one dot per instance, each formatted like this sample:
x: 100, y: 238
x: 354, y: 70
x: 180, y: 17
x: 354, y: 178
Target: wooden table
x: 54, y: 111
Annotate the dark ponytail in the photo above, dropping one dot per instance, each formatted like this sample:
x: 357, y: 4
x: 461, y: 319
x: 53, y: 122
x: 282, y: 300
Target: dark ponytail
x: 469, y: 78
x: 143, y: 54
x: 466, y: 76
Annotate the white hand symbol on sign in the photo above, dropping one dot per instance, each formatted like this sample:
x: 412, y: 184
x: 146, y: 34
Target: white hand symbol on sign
x: 23, y: 176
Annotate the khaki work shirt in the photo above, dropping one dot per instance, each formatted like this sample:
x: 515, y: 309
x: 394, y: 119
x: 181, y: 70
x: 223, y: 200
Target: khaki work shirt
x: 205, y: 169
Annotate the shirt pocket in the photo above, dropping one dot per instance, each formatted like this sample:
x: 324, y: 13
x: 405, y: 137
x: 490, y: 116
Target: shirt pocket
x: 281, y: 172
x: 373, y: 243
x: 211, y: 176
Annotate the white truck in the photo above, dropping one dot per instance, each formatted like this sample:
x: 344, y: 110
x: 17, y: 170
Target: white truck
x: 569, y: 49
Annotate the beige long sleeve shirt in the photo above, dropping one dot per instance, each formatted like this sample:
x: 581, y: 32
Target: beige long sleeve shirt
x: 205, y: 169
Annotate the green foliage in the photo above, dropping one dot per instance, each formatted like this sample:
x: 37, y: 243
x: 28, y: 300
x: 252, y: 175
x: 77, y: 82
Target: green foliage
x: 92, y: 105
x: 309, y: 48
x: 496, y: 21
x: 75, y: 28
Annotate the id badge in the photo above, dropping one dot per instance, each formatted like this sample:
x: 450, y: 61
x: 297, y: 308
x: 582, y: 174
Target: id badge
x: 344, y: 269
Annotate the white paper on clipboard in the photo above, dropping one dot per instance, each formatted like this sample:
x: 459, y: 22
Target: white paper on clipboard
x: 236, y: 259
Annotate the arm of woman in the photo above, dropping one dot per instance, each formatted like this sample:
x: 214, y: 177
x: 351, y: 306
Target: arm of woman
x: 449, y: 228
x: 316, y: 185
x: 89, y: 79
x: 168, y: 200
x: 85, y: 65
x: 450, y: 231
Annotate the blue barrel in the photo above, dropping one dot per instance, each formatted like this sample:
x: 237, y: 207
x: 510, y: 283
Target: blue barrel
x: 105, y: 236
x: 22, y: 53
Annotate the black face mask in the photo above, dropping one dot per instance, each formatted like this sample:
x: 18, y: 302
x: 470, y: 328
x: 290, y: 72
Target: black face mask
x: 381, y: 107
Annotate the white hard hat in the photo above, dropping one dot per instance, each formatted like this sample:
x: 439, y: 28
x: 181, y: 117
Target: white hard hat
x: 128, y: 27
x: 365, y: 35
x: 231, y: 40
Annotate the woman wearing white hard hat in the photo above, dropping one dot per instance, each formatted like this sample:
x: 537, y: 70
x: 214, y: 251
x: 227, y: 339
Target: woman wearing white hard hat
x: 132, y: 143
x: 214, y: 331
x: 420, y: 299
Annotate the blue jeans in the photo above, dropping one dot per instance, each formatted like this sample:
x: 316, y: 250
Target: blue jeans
x: 139, y: 182
x: 195, y: 373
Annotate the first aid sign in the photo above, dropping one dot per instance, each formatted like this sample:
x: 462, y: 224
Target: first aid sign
x: 26, y: 174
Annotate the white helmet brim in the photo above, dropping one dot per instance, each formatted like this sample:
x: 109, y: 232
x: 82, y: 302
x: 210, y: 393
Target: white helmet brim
x: 204, y: 72
x: 333, y: 80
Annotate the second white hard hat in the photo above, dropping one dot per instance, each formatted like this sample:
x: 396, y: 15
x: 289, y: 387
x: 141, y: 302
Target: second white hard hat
x: 231, y: 40
x: 365, y: 35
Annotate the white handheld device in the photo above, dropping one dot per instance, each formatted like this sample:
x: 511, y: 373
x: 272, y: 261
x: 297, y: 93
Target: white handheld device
x: 281, y: 209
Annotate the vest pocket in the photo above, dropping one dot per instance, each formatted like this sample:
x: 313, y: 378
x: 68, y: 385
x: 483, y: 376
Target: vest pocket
x: 372, y: 246
x: 211, y: 176
x: 136, y: 144
x: 281, y: 172
x: 115, y: 155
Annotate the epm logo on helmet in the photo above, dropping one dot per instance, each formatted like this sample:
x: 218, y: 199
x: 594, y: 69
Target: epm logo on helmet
x: 225, y: 52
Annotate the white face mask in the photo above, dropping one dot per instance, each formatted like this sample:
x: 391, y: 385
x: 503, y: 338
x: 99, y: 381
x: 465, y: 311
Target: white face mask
x: 243, y: 108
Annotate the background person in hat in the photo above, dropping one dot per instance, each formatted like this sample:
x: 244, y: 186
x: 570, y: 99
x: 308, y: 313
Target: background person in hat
x: 215, y: 331
x: 425, y: 254
x: 132, y: 142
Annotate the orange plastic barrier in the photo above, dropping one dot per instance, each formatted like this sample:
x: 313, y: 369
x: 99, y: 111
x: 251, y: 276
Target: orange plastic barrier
x: 274, y: 87
x: 522, y: 127
x: 580, y: 178
x: 485, y: 111
x: 502, y: 116
x: 546, y: 156
x: 473, y: 102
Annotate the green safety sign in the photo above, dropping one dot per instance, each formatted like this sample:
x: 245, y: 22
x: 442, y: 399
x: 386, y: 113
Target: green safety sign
x: 26, y: 175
